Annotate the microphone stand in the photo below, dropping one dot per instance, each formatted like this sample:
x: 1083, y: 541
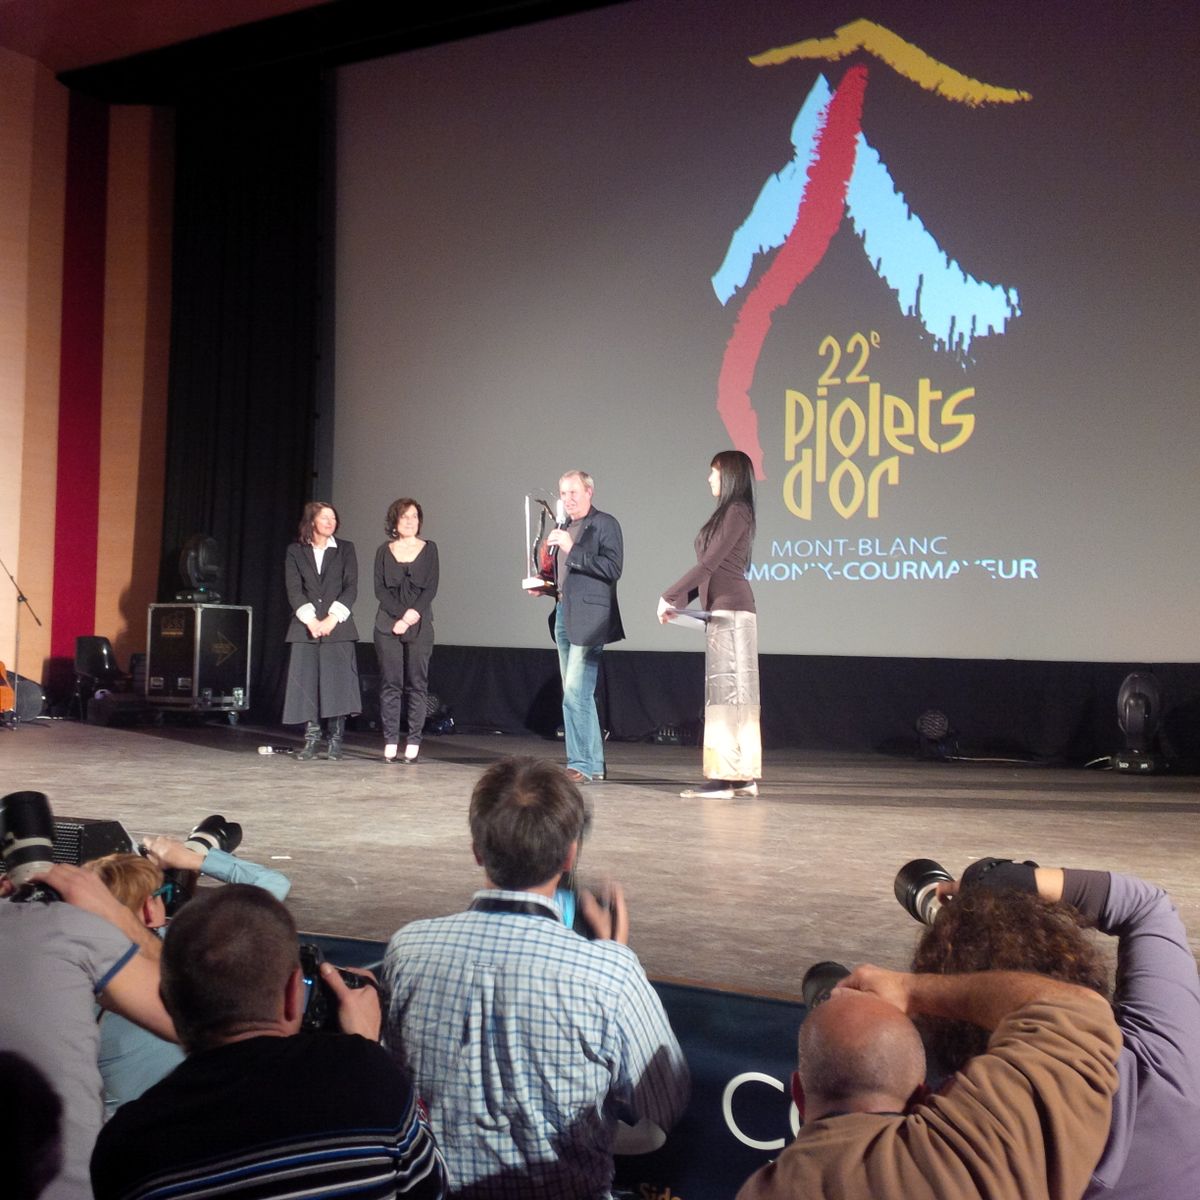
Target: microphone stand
x: 16, y: 671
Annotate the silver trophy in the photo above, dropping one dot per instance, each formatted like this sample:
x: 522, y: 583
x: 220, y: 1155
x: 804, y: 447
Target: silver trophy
x: 538, y: 557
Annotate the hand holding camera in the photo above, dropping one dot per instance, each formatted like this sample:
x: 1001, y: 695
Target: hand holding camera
x: 171, y: 854
x: 358, y: 1000
x: 606, y: 913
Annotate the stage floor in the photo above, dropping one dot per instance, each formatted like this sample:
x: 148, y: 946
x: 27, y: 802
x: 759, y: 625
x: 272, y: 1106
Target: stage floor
x: 742, y: 894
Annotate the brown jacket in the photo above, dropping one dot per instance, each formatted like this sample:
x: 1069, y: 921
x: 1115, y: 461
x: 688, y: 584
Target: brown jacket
x: 1025, y: 1121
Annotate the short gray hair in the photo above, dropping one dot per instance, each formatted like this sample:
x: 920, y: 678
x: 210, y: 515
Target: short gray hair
x: 583, y: 477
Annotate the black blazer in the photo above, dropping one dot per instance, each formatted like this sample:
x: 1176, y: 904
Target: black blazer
x: 338, y: 580
x: 589, y: 577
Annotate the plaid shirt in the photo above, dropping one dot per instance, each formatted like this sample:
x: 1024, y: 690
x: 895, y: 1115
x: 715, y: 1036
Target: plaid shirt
x: 528, y: 1042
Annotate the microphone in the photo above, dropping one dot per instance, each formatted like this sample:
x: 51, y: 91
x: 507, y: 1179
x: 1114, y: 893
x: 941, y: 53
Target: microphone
x: 560, y: 514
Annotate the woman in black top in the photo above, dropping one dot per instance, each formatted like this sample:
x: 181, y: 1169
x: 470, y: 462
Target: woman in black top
x: 732, y: 740
x: 406, y: 581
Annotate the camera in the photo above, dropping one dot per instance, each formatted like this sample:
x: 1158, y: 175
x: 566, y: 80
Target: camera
x: 320, y: 1002
x: 819, y: 980
x: 215, y: 833
x: 916, y: 888
x: 27, y: 844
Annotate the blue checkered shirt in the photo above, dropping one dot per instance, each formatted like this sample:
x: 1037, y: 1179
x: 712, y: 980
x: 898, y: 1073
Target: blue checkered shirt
x: 528, y: 1042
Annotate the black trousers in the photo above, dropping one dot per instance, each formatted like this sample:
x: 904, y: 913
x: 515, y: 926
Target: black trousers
x: 404, y: 683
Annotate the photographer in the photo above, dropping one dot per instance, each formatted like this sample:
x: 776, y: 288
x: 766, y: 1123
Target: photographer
x: 131, y: 1059
x: 60, y: 958
x: 1008, y: 915
x: 258, y: 1101
x: 1025, y: 1119
x: 528, y: 1040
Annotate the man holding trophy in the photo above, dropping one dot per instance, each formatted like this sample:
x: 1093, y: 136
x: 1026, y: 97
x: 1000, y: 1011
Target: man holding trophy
x: 579, y: 564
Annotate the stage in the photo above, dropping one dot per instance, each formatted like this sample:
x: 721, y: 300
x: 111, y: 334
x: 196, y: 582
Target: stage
x: 741, y: 895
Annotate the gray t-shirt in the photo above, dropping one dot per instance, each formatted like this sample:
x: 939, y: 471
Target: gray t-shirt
x: 57, y: 959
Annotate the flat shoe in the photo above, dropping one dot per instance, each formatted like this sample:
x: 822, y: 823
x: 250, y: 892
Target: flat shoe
x: 577, y: 777
x: 714, y: 789
x: 720, y: 789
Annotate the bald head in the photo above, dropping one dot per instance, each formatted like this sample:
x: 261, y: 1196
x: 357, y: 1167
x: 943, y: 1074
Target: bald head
x: 859, y: 1054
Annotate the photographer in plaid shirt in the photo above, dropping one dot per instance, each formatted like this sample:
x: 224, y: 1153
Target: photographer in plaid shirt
x: 528, y: 1041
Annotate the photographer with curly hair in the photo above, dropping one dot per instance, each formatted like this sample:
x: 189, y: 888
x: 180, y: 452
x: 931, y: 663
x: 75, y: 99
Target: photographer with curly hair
x: 1018, y: 916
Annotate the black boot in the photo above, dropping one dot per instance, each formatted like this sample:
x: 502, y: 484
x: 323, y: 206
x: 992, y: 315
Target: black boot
x: 337, y: 730
x: 312, y: 735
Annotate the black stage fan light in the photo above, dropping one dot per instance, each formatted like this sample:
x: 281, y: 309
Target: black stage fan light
x: 1139, y: 711
x: 933, y: 727
x: 201, y: 568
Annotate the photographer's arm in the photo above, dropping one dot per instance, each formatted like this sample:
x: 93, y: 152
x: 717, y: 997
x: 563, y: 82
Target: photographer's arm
x: 85, y: 889
x: 216, y: 864
x: 983, y: 998
x: 133, y: 993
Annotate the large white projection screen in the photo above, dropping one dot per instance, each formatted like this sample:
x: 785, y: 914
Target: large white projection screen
x: 952, y: 320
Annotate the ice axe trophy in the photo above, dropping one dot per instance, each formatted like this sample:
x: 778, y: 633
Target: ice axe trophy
x: 540, y: 518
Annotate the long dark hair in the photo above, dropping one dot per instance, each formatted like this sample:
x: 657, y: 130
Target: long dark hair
x: 305, y: 533
x: 737, y: 487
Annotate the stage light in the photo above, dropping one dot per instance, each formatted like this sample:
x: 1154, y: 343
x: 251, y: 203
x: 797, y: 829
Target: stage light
x: 201, y: 568
x: 1139, y: 711
x: 933, y: 726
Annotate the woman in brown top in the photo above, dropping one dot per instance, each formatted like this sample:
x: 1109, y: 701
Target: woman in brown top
x: 732, y: 742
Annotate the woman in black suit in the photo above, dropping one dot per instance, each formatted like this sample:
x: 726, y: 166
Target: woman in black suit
x: 322, y: 584
x: 406, y: 581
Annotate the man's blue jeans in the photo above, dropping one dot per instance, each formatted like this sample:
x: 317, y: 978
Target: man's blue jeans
x: 580, y: 666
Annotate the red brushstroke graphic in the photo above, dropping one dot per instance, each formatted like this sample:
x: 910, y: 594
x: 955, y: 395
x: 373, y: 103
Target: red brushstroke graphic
x: 817, y: 220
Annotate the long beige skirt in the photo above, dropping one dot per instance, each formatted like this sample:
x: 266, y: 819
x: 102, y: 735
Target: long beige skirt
x: 732, y: 741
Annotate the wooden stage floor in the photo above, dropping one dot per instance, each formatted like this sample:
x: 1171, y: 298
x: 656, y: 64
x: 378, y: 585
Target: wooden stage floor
x: 742, y: 895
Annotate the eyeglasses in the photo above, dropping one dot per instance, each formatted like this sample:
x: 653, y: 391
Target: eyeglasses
x: 167, y: 891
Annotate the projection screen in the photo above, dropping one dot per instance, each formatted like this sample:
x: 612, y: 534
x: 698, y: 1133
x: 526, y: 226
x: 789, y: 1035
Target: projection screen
x: 935, y: 271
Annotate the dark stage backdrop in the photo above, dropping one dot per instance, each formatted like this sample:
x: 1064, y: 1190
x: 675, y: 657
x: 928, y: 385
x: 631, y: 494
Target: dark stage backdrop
x: 501, y: 345
x: 245, y: 361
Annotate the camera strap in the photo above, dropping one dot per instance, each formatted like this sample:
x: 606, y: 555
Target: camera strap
x: 524, y: 908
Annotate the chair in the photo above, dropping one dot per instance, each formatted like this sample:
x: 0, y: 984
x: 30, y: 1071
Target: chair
x: 95, y: 668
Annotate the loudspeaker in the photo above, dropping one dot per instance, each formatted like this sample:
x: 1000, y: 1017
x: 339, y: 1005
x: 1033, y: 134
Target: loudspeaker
x: 31, y: 700
x: 80, y: 839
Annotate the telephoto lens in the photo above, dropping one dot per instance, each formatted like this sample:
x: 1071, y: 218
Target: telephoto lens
x: 215, y: 833
x: 26, y: 835
x: 819, y: 980
x: 916, y: 888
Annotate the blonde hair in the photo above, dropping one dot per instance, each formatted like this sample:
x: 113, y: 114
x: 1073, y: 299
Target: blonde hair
x: 130, y: 877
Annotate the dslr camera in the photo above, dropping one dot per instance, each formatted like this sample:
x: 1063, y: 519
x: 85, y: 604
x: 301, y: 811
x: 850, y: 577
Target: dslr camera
x: 320, y: 1002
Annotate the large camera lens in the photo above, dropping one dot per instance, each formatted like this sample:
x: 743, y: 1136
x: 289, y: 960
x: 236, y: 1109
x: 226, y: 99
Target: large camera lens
x: 215, y: 833
x: 819, y: 980
x: 916, y: 888
x: 26, y: 834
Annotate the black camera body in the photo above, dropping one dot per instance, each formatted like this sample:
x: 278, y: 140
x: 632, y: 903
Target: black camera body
x: 320, y: 1004
x: 819, y: 981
